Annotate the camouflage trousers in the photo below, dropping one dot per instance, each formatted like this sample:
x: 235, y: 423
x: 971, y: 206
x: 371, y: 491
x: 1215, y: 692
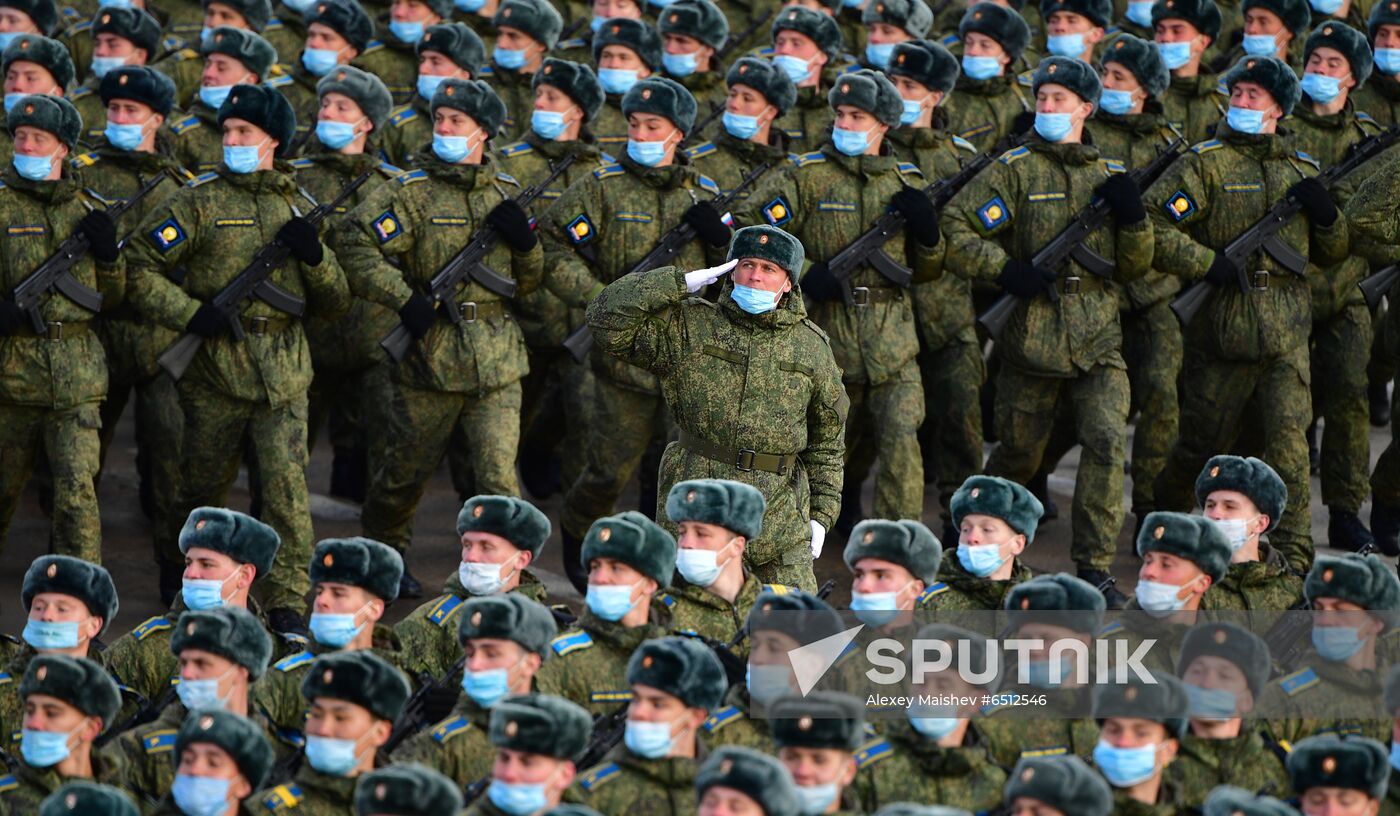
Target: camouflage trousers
x: 883, y: 424
x: 1385, y: 478
x: 67, y: 439
x: 951, y: 437
x: 1341, y: 348
x: 1260, y: 408
x: 1096, y: 402
x: 218, y: 431
x: 621, y: 427
x: 418, y: 427
x: 1152, y: 348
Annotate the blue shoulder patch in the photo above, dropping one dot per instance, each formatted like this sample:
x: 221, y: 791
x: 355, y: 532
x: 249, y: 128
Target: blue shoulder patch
x: 1363, y: 116
x: 873, y: 752
x: 666, y: 599
x: 963, y: 144
x: 576, y: 42
x: 608, y: 171
x: 372, y: 45
x: 1014, y: 154
x: 283, y: 797
x: 158, y: 623
x: 934, y: 590
x: 580, y: 230
x: 599, y: 775
x: 159, y: 742
x: 1180, y: 206
x: 182, y: 125
x: 291, y: 736
x: 564, y: 644
x: 302, y: 164
x: 278, y: 81
x: 804, y: 159
x: 993, y: 213
x: 909, y: 168
x: 517, y: 149
x: 290, y: 662
x: 6, y: 679
x: 1113, y: 166
x: 1298, y: 681
x: 507, y: 178
x: 202, y: 178
x: 1206, y: 146
x: 1116, y: 626
x: 1309, y: 159
x: 8, y: 783
x: 443, y: 611
x: 83, y: 160
x: 702, y: 149
x: 389, y: 170
x: 448, y: 729
x: 950, y: 41
x: 777, y: 589
x: 722, y: 717
x: 412, y: 177
x: 402, y: 115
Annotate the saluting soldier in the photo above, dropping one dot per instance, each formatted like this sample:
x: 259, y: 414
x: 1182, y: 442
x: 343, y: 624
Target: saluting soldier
x: 989, y: 101
x: 693, y: 32
x: 1246, y: 498
x: 216, y: 751
x: 525, y: 31
x: 447, y: 51
x: 996, y: 520
x: 232, y: 57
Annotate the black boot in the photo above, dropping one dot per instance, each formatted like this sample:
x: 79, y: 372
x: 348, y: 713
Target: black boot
x: 287, y: 622
x: 1314, y: 455
x: 1039, y: 487
x: 350, y: 474
x: 851, y: 513
x: 1346, y: 532
x: 1379, y: 398
x: 1385, y: 526
x: 573, y: 551
x: 409, y: 587
x: 1105, y: 584
x: 171, y: 580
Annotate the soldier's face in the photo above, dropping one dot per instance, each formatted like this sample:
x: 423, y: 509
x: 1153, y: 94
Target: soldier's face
x: 720, y: 801
x: 684, y: 44
x: 622, y: 58
x: 611, y: 572
x: 648, y: 127
x: 1254, y: 97
x: 343, y: 599
x: 413, y: 11
x: 877, y: 575
x: 550, y: 98
x: 917, y: 91
x: 25, y: 77
x: 1170, y: 31
x: 1049, y: 634
x: 795, y: 44
x: 818, y: 766
x: 337, y: 107
x: 1118, y: 78
x: 218, y: 14
x: 1259, y: 21
x: 1388, y: 36
x: 45, y: 713
x: 1051, y: 98
x: 202, y: 564
x: 52, y: 607
x: 339, y: 719
x: 16, y: 21
x: 1229, y: 504
x: 814, y: 5
x: 746, y: 101
x: 652, y: 705
x: 771, y: 647
x: 207, y: 760
x: 1337, y: 802
x: 697, y: 535
x: 221, y: 70
x: 197, y: 664
x: 489, y: 548
x: 1330, y: 62
x: 452, y: 122
x: 882, y: 33
x: 520, y: 768
x: 110, y: 45
x: 1135, y: 732
x: 1165, y: 568
x: 1023, y: 806
x: 850, y: 117
x: 978, y: 530
x: 757, y: 273
x: 948, y: 683
x: 607, y: 9
x: 484, y: 654
x: 1337, y: 612
x: 431, y: 63
x: 1210, y: 672
x: 514, y: 38
x: 1068, y: 22
x: 322, y: 36
x: 980, y: 45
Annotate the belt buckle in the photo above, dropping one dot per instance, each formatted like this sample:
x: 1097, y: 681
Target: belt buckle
x: 258, y: 325
x: 463, y: 311
x: 55, y: 330
x: 860, y: 295
x: 1259, y: 281
x: 1070, y: 285
x: 739, y: 461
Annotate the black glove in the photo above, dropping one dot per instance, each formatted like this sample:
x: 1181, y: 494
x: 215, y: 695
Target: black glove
x: 418, y: 315
x: 705, y: 219
x: 101, y: 232
x: 920, y: 217
x: 1223, y: 272
x: 300, y: 237
x: 820, y: 285
x: 1315, y: 201
x: 12, y: 317
x: 514, y: 225
x: 1023, y: 279
x: 208, y: 322
x: 1124, y: 199
x: 1024, y: 121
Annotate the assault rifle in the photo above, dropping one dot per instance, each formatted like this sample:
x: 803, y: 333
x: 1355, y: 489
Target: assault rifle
x: 1264, y: 233
x: 1055, y: 254
x: 1374, y: 286
x: 255, y: 281
x: 468, y: 263
x: 430, y: 703
x: 581, y: 339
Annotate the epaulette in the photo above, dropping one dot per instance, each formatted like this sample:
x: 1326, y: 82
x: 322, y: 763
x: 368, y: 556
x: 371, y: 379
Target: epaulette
x: 817, y: 330
x: 1014, y: 154
x: 293, y: 637
x: 1298, y: 681
x: 172, y: 43
x: 777, y: 589
x: 83, y: 160
x: 873, y: 752
x: 572, y: 642
x: 302, y: 164
x: 159, y: 742
x: 1221, y: 88
x: 804, y: 159
x: 909, y: 169
x: 451, y: 728
x: 702, y: 149
x: 599, y: 775
x: 82, y: 92
x: 274, y: 24
x: 1111, y: 628
x: 78, y: 28
x: 70, y: 12
x: 372, y: 45
x: 665, y: 599
x: 291, y: 736
x: 406, y: 114
x: 1037, y: 753
x: 151, y: 625
x: 388, y: 170
x: 1309, y: 159
x: 1206, y: 146
x: 8, y: 783
x: 6, y: 679
x: 707, y: 183
x: 185, y: 124
x: 443, y: 611
x: 1113, y: 166
x: 961, y: 143
x: 608, y: 171
x: 184, y: 54
x: 278, y: 81
x: 283, y: 796
x: 722, y: 717
x: 1026, y: 78
x: 950, y: 41
x: 517, y: 149
x: 610, y: 696
x: 487, y: 70
x: 411, y: 177
x: 290, y: 662
x: 1362, y: 116
x: 576, y: 42
x: 203, y: 178
x: 934, y: 590
x: 766, y: 51
x: 507, y: 178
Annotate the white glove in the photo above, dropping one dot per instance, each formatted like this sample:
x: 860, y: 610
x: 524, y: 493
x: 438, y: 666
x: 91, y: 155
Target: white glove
x: 818, y: 539
x: 700, y: 278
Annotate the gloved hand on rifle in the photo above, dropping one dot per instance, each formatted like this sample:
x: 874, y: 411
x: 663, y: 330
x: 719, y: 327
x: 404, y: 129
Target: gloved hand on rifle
x: 1124, y: 199
x: 1223, y: 272
x: 1023, y: 279
x: 704, y: 218
x: 514, y: 225
x: 208, y: 322
x: 820, y: 285
x: 920, y: 217
x: 1315, y: 201
x: 299, y: 235
x: 417, y: 315
x: 12, y: 318
x: 101, y: 232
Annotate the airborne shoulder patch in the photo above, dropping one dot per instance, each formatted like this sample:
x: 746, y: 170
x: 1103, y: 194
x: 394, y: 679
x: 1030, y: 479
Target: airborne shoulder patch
x: 572, y: 642
x: 1180, y: 206
x: 993, y: 213
x: 777, y: 212
x: 150, y: 626
x: 402, y: 116
x: 167, y: 235
x: 387, y: 226
x: 597, y: 776
x: 580, y: 230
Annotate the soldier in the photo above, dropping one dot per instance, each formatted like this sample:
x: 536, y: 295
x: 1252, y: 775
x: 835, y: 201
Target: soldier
x: 692, y: 35
x: 1328, y: 772
x: 1141, y: 723
x: 353, y: 700
x: 232, y: 57
x: 49, y: 406
x: 502, y: 537
x: 462, y: 377
x: 741, y: 780
x: 396, y: 63
x: 33, y: 65
x: 1056, y: 786
x: 183, y: 65
x: 525, y: 30
x: 580, y: 48
x: 338, y: 32
x: 87, y: 797
x: 447, y: 51
x: 807, y: 47
x: 1249, y: 347
x: 818, y: 737
x: 407, y: 790
x: 996, y: 520
x: 537, y: 738
x: 1228, y: 799
x: 68, y: 703
x: 759, y: 95
x: 1224, y: 669
x: 1050, y: 608
x: 505, y: 640
x: 629, y: 561
x: 29, y: 17
x: 222, y: 652
x: 220, y: 756
x: 676, y: 682
x: 889, y: 23
x: 1337, y: 685
x: 1272, y: 28
x: 1246, y: 499
x: 938, y: 753
x: 69, y: 603
x: 1184, y: 30
x: 1380, y: 96
x: 626, y: 51
x: 1074, y: 28
x: 123, y: 37
x: 894, y: 569
x: 354, y: 579
x: 1057, y: 357
x: 988, y: 101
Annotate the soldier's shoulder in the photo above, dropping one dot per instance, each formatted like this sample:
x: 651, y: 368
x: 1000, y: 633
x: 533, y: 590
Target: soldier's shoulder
x: 388, y: 170
x: 1307, y: 159
x: 8, y: 783
x: 962, y: 144
x: 817, y: 330
x: 158, y: 741
x: 402, y: 116
x: 608, y: 170
x: 1298, y: 682
x: 443, y: 611
x: 1112, y: 166
x: 1208, y: 146
x: 701, y: 150
x: 185, y: 124
x: 83, y: 160
x: 909, y: 169
x: 202, y: 179
x: 510, y: 151
x: 803, y: 160
x: 408, y: 178
x: 722, y: 717
x: 872, y: 753
x: 1014, y: 155
x: 293, y: 662
x: 595, y: 777
x: 933, y: 591
x: 150, y: 626
x: 280, y: 798
x: 446, y: 730
x: 571, y: 643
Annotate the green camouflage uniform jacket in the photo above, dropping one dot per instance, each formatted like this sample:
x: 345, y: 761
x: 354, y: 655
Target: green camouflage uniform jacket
x: 429, y: 633
x: 609, y: 127
x: 983, y: 110
x: 1259, y: 588
x: 1138, y: 626
x: 958, y: 590
x: 709, y: 90
x: 396, y: 63
x: 808, y: 122
x: 1009, y: 211
x: 1168, y: 802
x: 408, y: 130
x: 1247, y: 761
x: 783, y: 387
x: 730, y: 724
x: 459, y: 747
x: 589, y: 664
x: 1012, y: 735
x: 904, y: 766
x: 728, y: 160
x: 185, y: 67
x: 24, y: 788
x: 309, y: 792
x: 627, y: 783
x: 88, y: 101
x: 1193, y: 105
x: 1325, y: 697
x: 1379, y: 97
x: 12, y: 705
x: 513, y: 87
x: 701, y: 612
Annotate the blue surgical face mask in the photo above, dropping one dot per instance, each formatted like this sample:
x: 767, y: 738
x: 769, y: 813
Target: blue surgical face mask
x: 468, y: 6
x: 201, y: 594
x: 851, y: 142
x: 44, y: 749
x: 1260, y: 45
x: 1065, y: 45
x: 617, y: 80
x: 701, y: 567
x: 878, y: 54
x: 200, y: 795
x: 517, y: 799
x: 1140, y: 12
x: 334, y: 630
x: 299, y: 6
x: 213, y: 96
x: 196, y: 694
x: 1038, y: 675
x: 1236, y: 531
x: 610, y: 602
x: 597, y: 24
x: 1160, y: 600
x: 335, y: 135
x: 1336, y: 643
x: 428, y: 85
x: 6, y: 38
x: 1125, y: 767
x: 913, y: 109
x: 511, y: 59
x: 649, y: 740
x: 124, y: 137
x: 754, y: 301
x: 328, y: 755
x: 548, y: 124
x: 319, y: 61
x: 51, y: 635
x: 980, y: 560
x: 1387, y: 60
x: 1326, y: 6
x: 205, y: 34
x: 486, y: 688
x: 815, y: 799
x: 930, y: 722
x: 740, y: 126
x: 796, y: 68
x: 12, y: 99
x: 125, y: 4
x: 1395, y: 755
x: 875, y: 608
x: 767, y: 683
x: 1053, y: 127
x: 1322, y: 89
x: 680, y: 65
x: 101, y: 65
x: 980, y: 68
x: 452, y: 149
x: 1211, y: 704
x: 243, y: 159
x: 34, y: 168
x: 1174, y: 54
x: 1118, y: 103
x: 649, y: 154
x: 1244, y: 120
x: 483, y: 578
x: 409, y: 32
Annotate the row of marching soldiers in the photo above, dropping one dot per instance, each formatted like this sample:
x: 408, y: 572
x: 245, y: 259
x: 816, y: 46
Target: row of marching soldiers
x: 646, y: 697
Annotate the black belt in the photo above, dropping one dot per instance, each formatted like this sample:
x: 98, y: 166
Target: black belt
x: 743, y: 459
x: 866, y: 295
x: 56, y: 330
